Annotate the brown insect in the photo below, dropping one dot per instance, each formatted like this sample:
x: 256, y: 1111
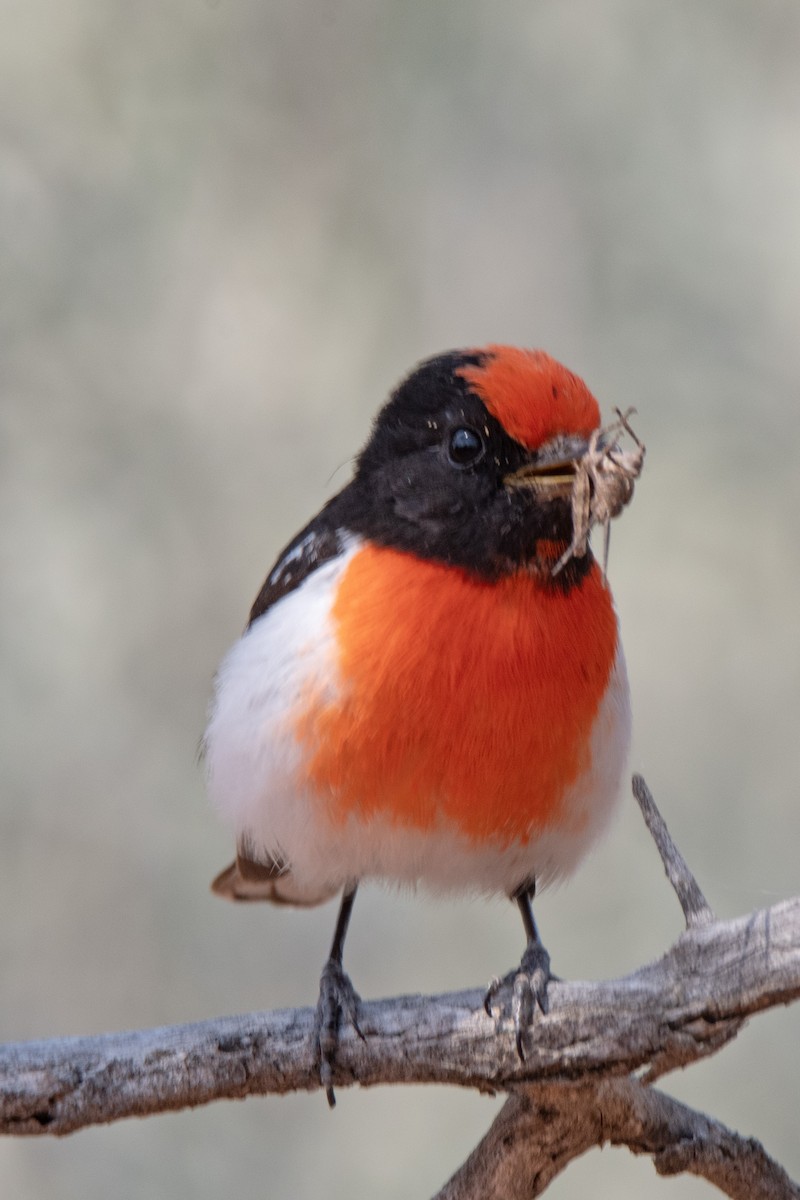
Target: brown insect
x: 602, y: 485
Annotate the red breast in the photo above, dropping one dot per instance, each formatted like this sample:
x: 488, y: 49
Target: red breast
x: 460, y: 700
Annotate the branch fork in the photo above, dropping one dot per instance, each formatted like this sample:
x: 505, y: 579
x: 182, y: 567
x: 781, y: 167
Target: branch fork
x: 586, y: 1080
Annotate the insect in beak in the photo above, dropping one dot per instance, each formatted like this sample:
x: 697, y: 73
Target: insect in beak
x: 597, y: 477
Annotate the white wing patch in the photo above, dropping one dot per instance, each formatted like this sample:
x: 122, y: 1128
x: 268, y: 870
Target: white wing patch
x: 297, y: 554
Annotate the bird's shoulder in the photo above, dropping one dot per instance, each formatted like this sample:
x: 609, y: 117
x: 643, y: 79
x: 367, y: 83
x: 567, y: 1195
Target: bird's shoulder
x: 320, y: 541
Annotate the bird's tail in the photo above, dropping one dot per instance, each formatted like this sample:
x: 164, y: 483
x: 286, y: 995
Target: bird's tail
x: 249, y: 879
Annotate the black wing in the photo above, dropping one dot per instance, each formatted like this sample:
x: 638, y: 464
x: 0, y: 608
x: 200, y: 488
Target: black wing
x: 318, y: 543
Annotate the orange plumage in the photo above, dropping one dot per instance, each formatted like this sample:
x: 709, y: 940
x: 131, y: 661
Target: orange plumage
x: 461, y: 701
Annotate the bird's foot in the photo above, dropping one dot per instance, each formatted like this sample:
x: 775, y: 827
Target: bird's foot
x: 528, y: 985
x: 338, y: 1000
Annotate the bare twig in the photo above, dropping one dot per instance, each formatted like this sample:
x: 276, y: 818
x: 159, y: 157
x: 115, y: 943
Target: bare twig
x: 696, y: 908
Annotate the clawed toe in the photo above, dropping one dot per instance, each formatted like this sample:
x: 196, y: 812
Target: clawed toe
x: 528, y: 987
x: 535, y: 966
x: 338, y: 1001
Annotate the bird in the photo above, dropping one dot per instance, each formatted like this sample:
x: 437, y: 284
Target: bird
x: 431, y: 688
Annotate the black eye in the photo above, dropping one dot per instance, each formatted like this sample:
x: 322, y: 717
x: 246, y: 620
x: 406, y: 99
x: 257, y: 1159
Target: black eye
x: 465, y: 447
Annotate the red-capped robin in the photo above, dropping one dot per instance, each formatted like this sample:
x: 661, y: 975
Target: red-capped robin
x: 420, y: 695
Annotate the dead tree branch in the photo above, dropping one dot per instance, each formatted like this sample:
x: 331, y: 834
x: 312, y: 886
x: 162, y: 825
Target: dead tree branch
x: 541, y: 1129
x: 576, y: 1088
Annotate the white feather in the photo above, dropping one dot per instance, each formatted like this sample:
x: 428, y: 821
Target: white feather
x: 251, y: 752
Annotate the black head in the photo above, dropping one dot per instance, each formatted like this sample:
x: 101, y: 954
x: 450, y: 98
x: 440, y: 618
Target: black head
x: 447, y: 472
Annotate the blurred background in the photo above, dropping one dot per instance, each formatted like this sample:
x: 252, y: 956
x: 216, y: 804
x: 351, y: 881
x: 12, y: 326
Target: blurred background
x: 226, y: 229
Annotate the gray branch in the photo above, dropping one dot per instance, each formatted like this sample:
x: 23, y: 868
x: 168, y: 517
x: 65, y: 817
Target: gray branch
x: 696, y: 908
x: 574, y: 1090
x: 541, y: 1129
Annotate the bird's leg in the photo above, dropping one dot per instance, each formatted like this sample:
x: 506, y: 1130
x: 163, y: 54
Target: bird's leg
x: 529, y: 982
x: 337, y: 998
